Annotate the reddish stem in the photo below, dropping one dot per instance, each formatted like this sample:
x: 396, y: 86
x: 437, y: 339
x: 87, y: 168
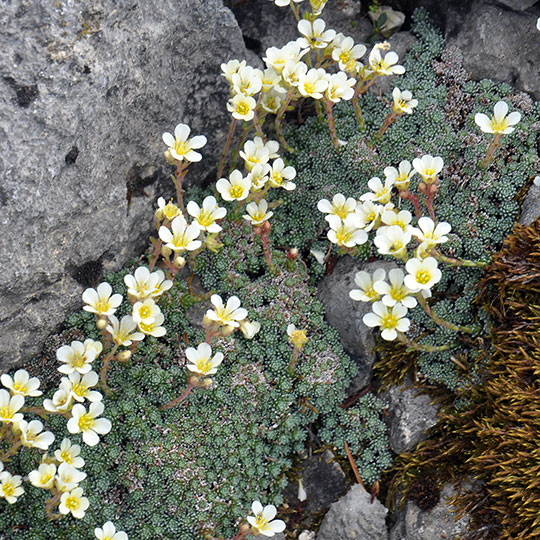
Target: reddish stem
x: 179, y: 399
x: 226, y: 148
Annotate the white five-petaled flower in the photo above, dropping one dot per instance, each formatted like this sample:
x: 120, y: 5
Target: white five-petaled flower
x: 315, y: 35
x: 254, y: 154
x: 109, y: 532
x: 180, y: 147
x: 207, y: 216
x: 345, y: 233
x: 202, y: 360
x: 231, y: 67
x: 258, y: 176
x: 10, y: 487
x: 143, y: 283
x: 388, y: 64
x: 247, y: 81
x: 62, y: 398
x: 277, y: 58
x: 403, y: 101
x: 281, y: 176
x: 68, y: 477
x: 340, y: 206
x: 400, y: 177
x: 392, y: 240
x: 395, y: 292
x: 380, y: 193
x: 257, y: 213
x: 236, y: 188
x: 88, y: 423
x: 166, y: 210
x: 74, y: 502
x: 271, y: 145
x: 9, y: 407
x: 70, y: 454
x: 33, y: 436
x: 366, y: 282
x: 231, y: 314
x: 101, y: 301
x: 313, y: 83
x: 271, y: 102
x: 153, y: 328
x: 76, y: 357
x: 21, y: 383
x: 368, y: 214
x: 80, y: 387
x: 182, y: 237
x: 145, y: 311
x: 391, y: 320
x: 297, y: 336
x: 293, y: 70
x: 428, y: 167
x: 122, y: 332
x: 264, y: 521
x: 346, y: 51
x: 43, y: 477
x: 429, y: 233
x: 242, y: 107
x: 422, y: 273
x: 500, y: 122
x: 402, y: 218
x: 340, y: 87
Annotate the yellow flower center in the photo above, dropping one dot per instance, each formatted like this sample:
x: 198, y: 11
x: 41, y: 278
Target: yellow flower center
x: 258, y: 216
x: 340, y: 211
x: 30, y: 436
x: 45, y: 479
x: 299, y: 338
x: 180, y: 240
x: 389, y: 321
x: 85, y: 422
x: 144, y: 312
x: 203, y: 365
x: 260, y: 522
x: 345, y: 56
x: 170, y: 210
x: 242, y: 108
x: 277, y: 178
x: 383, y: 195
x: 77, y: 360
x: 429, y: 172
x: 423, y: 276
x: 6, y: 412
x: 380, y: 66
x: 103, y: 305
x: 398, y: 293
x: 401, y: 178
x: 370, y: 217
x: 20, y: 388
x: 181, y: 147
x: 309, y: 88
x: 397, y: 245
x: 498, y: 127
x: 205, y: 219
x: 146, y: 327
x: 8, y: 489
x: 72, y: 503
x: 79, y: 389
x: 343, y: 235
x: 370, y: 292
x: 236, y: 192
x: 66, y: 456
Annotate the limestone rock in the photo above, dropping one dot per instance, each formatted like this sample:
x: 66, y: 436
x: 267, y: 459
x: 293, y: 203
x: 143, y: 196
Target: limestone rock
x: 86, y: 91
x: 355, y: 517
x: 530, y: 208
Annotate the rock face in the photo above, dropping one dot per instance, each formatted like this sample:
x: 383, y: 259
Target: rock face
x: 86, y: 90
x: 345, y: 314
x: 530, y: 209
x: 409, y: 415
x: 415, y: 524
x: 354, y: 517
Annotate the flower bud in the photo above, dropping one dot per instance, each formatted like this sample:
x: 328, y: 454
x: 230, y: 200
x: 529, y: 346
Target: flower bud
x: 244, y: 528
x: 101, y: 323
x: 158, y: 215
x: 292, y: 254
x: 166, y: 252
x: 422, y: 187
x: 227, y: 330
x: 206, y: 382
x: 179, y: 262
x: 194, y: 380
x: 123, y: 356
x: 207, y: 322
x: 170, y: 160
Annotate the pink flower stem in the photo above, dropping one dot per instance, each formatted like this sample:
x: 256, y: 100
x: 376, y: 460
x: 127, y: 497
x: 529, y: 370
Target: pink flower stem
x: 157, y: 251
x: 279, y: 119
x: 388, y: 121
x: 329, y: 105
x: 181, y: 171
x: 226, y: 148
x: 183, y: 396
x: 495, y: 143
x: 408, y: 196
x: 105, y: 369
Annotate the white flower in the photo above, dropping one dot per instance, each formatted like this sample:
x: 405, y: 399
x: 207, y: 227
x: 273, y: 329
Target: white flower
x: 183, y: 237
x: 182, y: 148
x: 281, y: 176
x: 538, y: 24
x: 74, y: 502
x: 402, y: 218
x: 242, y: 107
x: 284, y: 3
x: 21, y: 383
x: 32, y: 436
x: 108, y: 532
x: 9, y: 405
x: 271, y: 102
x: 254, y: 154
x: 271, y: 80
x: 293, y: 70
x: 166, y: 210
x: 230, y: 314
x: 499, y: 122
x: 247, y: 81
x: 345, y: 233
x: 386, y: 65
x: 69, y: 453
x: 76, y: 357
x: 249, y: 329
x: 144, y: 283
x: 380, y: 193
x: 262, y: 521
x: 428, y: 167
x: 154, y: 327
x: 68, y: 477
x: 62, y: 398
x: 403, y: 101
x: 340, y: 87
x: 202, y: 360
x: 392, y: 240
x: 43, y: 477
x: 236, y: 188
x: 277, y: 58
x: 80, y: 389
x: 313, y: 83
x: 10, y: 487
x: 231, y: 67
x: 368, y: 215
x: 423, y: 273
x: 429, y: 233
x: 207, y: 216
x: 123, y: 332
x: 100, y: 301
x: 271, y: 145
x: 339, y: 206
x: 297, y: 336
x: 87, y: 423
x: 395, y: 292
x: 366, y: 282
x: 146, y: 311
x: 346, y: 50
x: 160, y: 283
x: 402, y: 177
x: 257, y: 213
x: 258, y: 176
x: 391, y: 320
x: 314, y: 34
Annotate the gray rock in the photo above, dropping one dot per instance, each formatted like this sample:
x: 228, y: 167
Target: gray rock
x: 498, y: 43
x: 410, y: 415
x: 354, y: 517
x: 86, y: 91
x: 345, y: 314
x: 414, y: 524
x: 518, y: 5
x: 530, y: 208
